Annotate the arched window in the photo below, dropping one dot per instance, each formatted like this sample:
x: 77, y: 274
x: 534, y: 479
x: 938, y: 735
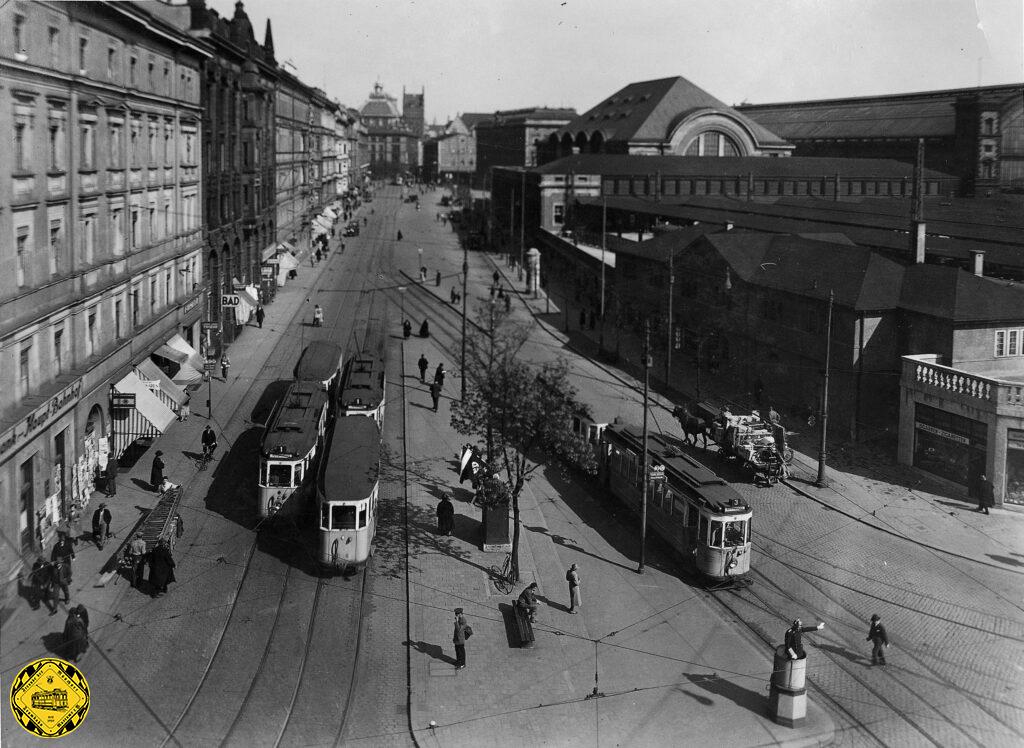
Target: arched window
x: 712, y: 143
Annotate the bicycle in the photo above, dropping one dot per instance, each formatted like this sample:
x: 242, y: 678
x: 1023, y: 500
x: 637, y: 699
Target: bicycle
x: 207, y: 457
x: 504, y: 578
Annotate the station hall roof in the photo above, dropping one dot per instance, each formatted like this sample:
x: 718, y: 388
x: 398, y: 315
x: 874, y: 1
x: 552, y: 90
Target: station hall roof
x: 913, y: 115
x: 647, y: 111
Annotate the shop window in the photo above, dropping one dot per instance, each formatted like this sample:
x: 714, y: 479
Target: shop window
x: 1012, y: 340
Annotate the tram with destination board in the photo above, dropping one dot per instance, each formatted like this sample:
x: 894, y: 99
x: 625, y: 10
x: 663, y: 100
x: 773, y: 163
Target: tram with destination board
x: 688, y: 505
x: 347, y: 493
x: 291, y: 445
x: 321, y: 361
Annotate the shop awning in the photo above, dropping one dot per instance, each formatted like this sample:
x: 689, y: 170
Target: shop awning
x: 331, y: 213
x: 250, y: 294
x: 146, y: 369
x: 287, y: 261
x: 171, y: 354
x: 286, y: 246
x: 325, y: 220
x: 318, y: 229
x: 147, y: 404
x: 179, y: 343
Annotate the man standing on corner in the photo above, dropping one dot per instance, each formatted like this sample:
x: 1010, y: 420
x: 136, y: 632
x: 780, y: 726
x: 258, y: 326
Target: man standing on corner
x: 424, y: 365
x: 573, y: 578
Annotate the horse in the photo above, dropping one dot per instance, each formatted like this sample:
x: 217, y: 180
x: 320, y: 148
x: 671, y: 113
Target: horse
x: 693, y: 426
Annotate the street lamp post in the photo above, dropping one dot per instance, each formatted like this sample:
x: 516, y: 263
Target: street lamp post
x: 465, y: 273
x: 822, y: 480
x: 643, y: 461
x: 522, y: 224
x: 668, y: 349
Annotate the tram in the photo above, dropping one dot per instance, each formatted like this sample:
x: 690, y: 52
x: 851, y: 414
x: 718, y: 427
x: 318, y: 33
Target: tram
x: 347, y: 493
x: 362, y: 390
x: 688, y: 506
x: 321, y: 361
x: 290, y: 446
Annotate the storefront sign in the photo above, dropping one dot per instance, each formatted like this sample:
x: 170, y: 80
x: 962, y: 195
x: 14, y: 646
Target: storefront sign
x: 119, y: 400
x: 944, y: 434
x: 190, y: 305
x: 229, y: 300
x: 211, y: 326
x: 152, y: 385
x: 40, y: 418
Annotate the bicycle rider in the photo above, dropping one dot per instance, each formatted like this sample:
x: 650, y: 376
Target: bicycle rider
x: 209, y: 442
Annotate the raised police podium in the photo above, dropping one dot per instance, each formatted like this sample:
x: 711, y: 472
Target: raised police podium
x: 787, y: 697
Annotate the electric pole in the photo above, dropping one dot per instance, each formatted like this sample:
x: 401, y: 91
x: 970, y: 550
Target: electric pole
x: 643, y: 461
x: 822, y: 481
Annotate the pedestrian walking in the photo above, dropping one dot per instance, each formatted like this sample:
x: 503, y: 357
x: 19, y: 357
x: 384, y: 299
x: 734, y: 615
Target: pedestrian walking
x: 435, y: 394
x: 462, y: 632
x: 137, y: 558
x: 225, y: 364
x: 40, y: 585
x: 156, y: 473
x: 437, y: 279
x: 424, y: 365
x: 425, y: 329
x: 161, y: 568
x: 62, y: 555
x: 451, y: 296
x: 573, y: 578
x: 111, y: 487
x: 318, y: 316
x: 179, y: 526
x: 76, y: 633
x: 260, y: 315
x: 986, y: 494
x: 445, y: 516
x: 319, y: 255
x: 795, y: 639
x: 493, y: 290
x: 439, y: 373
x: 399, y: 233
x: 508, y: 303
x: 101, y: 525
x: 186, y: 409
x: 880, y: 640
x: 496, y: 277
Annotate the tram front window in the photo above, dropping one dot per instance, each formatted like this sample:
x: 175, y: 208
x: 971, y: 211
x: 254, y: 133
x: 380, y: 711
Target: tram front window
x: 735, y: 533
x: 279, y: 475
x: 362, y: 516
x: 343, y: 517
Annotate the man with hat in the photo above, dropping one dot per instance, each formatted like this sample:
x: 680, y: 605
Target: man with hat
x: 156, y: 474
x: 459, y: 639
x: 880, y: 640
x: 61, y: 555
x: 137, y: 556
x: 795, y: 639
x: 573, y: 578
x: 101, y: 525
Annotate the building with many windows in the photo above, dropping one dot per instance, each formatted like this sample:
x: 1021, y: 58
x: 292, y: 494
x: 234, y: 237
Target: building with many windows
x: 102, y: 258
x: 393, y: 141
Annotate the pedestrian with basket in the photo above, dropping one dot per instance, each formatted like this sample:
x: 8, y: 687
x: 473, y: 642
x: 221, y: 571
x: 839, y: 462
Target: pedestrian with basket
x: 462, y: 632
x: 573, y: 578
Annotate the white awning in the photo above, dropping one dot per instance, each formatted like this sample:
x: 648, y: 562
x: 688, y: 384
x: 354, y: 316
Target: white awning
x: 179, y: 343
x: 171, y: 354
x: 287, y: 261
x: 331, y: 213
x: 187, y: 375
x: 286, y: 246
x: 146, y: 403
x: 324, y: 221
x: 149, y: 370
x: 317, y: 229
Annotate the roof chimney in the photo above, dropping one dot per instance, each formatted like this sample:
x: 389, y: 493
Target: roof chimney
x: 978, y: 261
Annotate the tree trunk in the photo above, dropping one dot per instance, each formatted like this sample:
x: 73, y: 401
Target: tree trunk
x: 515, y: 537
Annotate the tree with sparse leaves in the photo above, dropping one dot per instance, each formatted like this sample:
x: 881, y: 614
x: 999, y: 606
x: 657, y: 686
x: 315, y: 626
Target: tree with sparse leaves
x: 523, y: 411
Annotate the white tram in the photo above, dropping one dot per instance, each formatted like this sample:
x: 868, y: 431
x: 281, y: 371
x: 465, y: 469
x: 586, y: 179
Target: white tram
x: 692, y: 509
x: 347, y: 493
x: 290, y: 447
x: 362, y: 390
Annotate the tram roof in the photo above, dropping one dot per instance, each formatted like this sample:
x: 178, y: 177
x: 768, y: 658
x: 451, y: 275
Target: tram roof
x: 353, y: 462
x: 320, y: 361
x: 363, y: 379
x: 695, y: 475
x: 294, y: 428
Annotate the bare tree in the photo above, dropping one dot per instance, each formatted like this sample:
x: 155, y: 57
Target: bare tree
x: 523, y: 411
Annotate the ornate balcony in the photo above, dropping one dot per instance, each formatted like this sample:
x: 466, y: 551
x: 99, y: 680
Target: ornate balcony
x: 923, y: 373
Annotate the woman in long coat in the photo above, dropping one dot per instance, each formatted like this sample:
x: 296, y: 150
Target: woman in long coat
x: 76, y: 633
x: 161, y: 568
x: 156, y: 475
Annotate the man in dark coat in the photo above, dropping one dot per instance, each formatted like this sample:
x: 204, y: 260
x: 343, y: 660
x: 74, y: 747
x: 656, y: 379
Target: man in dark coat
x: 260, y: 315
x: 459, y: 639
x: 795, y: 639
x: 111, y: 475
x: 435, y: 394
x: 528, y: 601
x: 62, y: 555
x: 76, y: 633
x: 101, y: 525
x: 424, y: 365
x: 156, y: 474
x: 445, y: 516
x: 161, y: 568
x: 986, y: 494
x: 880, y: 640
x: 439, y: 373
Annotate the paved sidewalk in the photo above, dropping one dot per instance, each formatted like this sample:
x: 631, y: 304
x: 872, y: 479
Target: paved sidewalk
x: 22, y: 639
x: 664, y: 662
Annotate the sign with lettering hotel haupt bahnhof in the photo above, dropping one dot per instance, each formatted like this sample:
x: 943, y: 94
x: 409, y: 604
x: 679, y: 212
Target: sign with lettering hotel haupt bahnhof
x: 39, y: 418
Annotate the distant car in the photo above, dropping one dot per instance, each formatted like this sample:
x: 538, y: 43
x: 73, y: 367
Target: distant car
x: 351, y: 230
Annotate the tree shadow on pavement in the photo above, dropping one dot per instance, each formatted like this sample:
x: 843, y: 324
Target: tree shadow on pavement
x: 1005, y: 560
x: 712, y: 683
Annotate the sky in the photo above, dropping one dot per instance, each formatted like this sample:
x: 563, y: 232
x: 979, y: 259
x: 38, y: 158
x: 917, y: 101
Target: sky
x: 486, y: 55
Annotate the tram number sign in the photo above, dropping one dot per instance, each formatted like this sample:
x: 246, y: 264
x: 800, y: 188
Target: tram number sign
x: 656, y: 473
x: 229, y: 299
x: 119, y: 400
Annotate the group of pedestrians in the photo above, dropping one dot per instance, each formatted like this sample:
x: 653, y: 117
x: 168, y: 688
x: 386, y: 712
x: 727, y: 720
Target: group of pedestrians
x: 437, y: 386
